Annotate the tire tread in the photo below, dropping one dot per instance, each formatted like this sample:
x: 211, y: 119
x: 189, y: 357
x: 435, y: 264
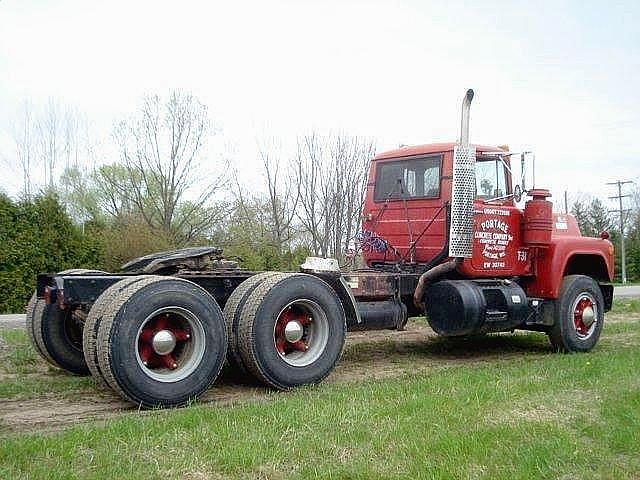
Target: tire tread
x: 92, y: 324
x: 232, y: 312
x: 103, y: 338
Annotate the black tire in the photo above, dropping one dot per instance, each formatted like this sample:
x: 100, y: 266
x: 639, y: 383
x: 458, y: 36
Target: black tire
x: 60, y: 349
x: 232, y: 310
x: 61, y: 334
x: 569, y: 333
x: 35, y: 308
x: 256, y: 334
x: 92, y: 323
x: 199, y: 359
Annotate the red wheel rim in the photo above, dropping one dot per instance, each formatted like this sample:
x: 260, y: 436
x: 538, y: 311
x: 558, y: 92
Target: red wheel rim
x: 301, y: 332
x: 170, y: 344
x: 165, y: 322
x: 584, y: 315
x: 291, y: 318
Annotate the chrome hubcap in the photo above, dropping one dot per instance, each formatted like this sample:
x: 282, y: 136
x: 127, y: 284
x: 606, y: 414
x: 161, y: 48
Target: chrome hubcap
x: 164, y: 342
x: 588, y: 316
x: 170, y: 344
x: 293, y: 331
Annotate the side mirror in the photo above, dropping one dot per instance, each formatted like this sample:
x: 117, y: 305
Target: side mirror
x: 517, y: 193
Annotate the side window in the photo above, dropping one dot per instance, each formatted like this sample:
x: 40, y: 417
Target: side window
x: 414, y: 178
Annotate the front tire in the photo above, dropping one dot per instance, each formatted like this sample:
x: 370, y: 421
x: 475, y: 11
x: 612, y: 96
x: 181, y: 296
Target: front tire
x: 579, y: 315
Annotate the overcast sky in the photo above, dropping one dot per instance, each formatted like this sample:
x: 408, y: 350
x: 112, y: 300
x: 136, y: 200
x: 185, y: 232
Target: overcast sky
x: 561, y: 78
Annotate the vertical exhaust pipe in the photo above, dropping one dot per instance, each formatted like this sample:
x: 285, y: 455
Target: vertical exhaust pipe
x: 463, y: 190
x: 464, y: 119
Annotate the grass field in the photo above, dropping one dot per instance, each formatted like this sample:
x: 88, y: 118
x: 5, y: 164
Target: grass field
x: 450, y: 410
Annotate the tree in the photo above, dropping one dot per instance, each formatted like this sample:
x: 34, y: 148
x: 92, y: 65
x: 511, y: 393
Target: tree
x: 52, y: 136
x: 592, y: 215
x: 282, y: 198
x: 581, y: 214
x: 38, y: 236
x: 331, y: 173
x: 24, y: 136
x: 81, y: 195
x: 44, y: 138
x: 632, y: 230
x: 599, y: 218
x: 161, y: 150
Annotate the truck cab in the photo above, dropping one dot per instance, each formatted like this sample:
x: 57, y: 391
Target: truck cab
x: 407, y: 220
x: 407, y: 208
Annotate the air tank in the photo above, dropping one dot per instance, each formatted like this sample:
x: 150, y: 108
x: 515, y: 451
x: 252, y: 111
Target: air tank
x: 538, y: 219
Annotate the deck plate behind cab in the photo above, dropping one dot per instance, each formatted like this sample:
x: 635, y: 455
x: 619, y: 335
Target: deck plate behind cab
x: 195, y: 258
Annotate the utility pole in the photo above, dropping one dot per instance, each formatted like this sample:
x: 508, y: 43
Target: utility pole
x: 566, y: 203
x: 621, y: 212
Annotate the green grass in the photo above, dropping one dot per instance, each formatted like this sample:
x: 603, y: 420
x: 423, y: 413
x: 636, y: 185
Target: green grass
x: 24, y: 374
x: 19, y: 356
x: 571, y: 416
x: 626, y: 305
x: 532, y: 415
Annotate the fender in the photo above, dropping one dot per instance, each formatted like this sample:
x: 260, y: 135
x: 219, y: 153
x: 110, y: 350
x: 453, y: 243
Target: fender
x: 346, y: 298
x: 559, y: 259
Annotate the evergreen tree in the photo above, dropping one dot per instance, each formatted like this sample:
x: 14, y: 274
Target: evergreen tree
x: 599, y: 218
x: 579, y: 211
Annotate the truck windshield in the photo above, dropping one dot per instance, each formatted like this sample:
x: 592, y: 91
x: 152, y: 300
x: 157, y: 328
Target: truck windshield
x: 490, y: 179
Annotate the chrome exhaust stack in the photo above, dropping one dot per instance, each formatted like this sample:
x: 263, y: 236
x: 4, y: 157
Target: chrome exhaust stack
x: 463, y: 188
x: 464, y: 118
x: 463, y: 192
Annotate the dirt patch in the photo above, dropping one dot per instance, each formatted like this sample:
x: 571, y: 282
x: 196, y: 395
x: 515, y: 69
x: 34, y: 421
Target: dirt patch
x: 368, y: 355
x: 561, y: 407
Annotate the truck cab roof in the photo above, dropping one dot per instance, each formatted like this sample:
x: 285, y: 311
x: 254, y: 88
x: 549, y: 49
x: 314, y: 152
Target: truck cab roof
x: 410, y: 151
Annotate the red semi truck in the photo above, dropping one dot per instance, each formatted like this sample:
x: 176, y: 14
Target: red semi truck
x: 442, y: 236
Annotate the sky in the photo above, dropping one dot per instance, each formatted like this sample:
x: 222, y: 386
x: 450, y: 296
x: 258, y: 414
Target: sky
x: 560, y: 78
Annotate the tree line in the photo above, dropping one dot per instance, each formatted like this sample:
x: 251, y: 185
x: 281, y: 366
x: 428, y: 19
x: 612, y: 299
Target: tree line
x: 169, y: 188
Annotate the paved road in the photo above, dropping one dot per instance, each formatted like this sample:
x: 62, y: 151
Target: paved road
x: 17, y: 320
x: 627, y: 291
x: 12, y: 321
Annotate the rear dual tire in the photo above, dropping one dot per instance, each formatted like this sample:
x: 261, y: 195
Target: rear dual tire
x: 90, y: 332
x: 291, y: 331
x: 158, y: 341
x: 232, y: 314
x: 56, y: 333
